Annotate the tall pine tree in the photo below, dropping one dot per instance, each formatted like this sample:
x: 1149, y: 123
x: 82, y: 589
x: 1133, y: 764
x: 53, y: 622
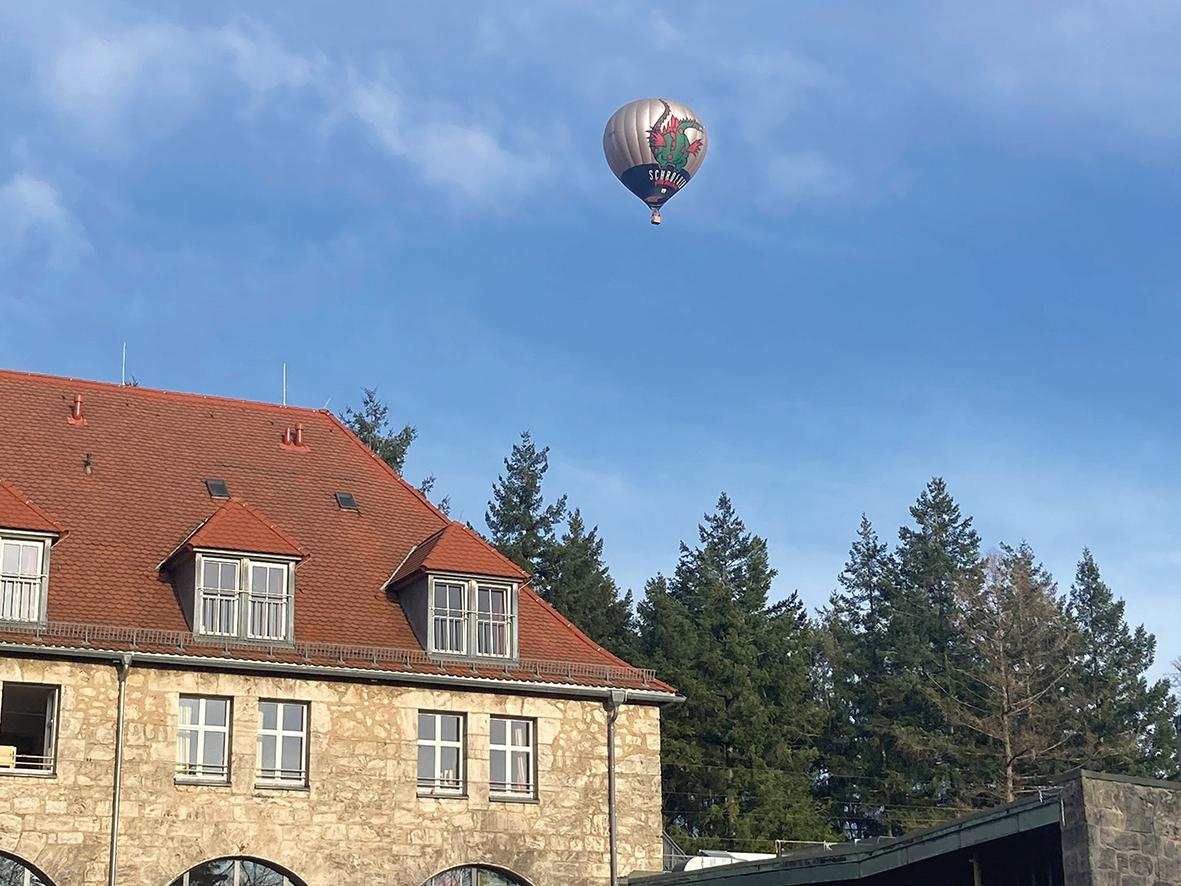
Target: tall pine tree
x: 737, y: 754
x: 856, y: 771
x: 937, y: 557
x: 372, y: 425
x: 582, y: 589
x: 523, y: 527
x: 1127, y: 721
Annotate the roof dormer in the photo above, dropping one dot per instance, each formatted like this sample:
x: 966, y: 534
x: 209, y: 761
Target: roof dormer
x: 461, y: 596
x: 26, y: 535
x: 235, y: 575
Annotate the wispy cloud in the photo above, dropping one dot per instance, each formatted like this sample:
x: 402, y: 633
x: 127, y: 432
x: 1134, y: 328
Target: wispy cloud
x: 472, y: 163
x: 806, y: 177
x: 33, y: 217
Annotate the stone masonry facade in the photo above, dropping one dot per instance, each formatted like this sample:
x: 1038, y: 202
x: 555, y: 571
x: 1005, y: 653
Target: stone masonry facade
x: 359, y: 821
x: 1119, y: 831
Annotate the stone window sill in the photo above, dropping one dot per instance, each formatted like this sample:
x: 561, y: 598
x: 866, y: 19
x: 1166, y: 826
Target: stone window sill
x: 275, y: 786
x: 17, y: 773
x: 428, y: 795
x: 200, y: 782
x: 509, y: 798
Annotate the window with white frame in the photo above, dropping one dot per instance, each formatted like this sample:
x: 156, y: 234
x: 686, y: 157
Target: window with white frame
x: 282, y: 743
x: 268, y: 601
x: 243, y: 597
x: 492, y: 620
x: 472, y: 618
x: 28, y: 728
x: 217, y: 594
x: 447, y: 616
x: 203, y: 739
x: 440, y: 753
x: 510, y: 760
x: 22, y: 579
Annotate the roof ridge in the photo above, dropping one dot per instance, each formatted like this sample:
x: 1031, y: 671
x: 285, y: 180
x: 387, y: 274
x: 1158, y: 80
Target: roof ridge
x: 553, y: 610
x: 137, y: 390
x: 264, y: 520
x: 464, y: 527
x: 24, y: 499
x: 418, y: 493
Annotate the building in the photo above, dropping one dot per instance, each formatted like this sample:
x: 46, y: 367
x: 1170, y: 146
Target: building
x: 1092, y: 830
x: 236, y: 648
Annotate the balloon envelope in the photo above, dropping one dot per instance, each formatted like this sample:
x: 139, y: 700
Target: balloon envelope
x: 654, y: 146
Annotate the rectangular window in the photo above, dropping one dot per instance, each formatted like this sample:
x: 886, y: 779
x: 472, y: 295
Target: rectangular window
x: 492, y: 620
x: 28, y: 728
x: 218, y: 596
x: 203, y: 739
x: 440, y: 754
x: 448, y: 616
x: 21, y: 582
x: 511, y: 758
x: 282, y: 743
x: 268, y: 601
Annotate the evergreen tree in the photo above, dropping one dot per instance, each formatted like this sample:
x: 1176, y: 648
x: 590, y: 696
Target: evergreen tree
x: 1017, y: 696
x: 372, y: 425
x: 738, y: 752
x: 937, y: 558
x: 1127, y: 721
x: 582, y: 589
x: 855, y: 774
x: 522, y: 525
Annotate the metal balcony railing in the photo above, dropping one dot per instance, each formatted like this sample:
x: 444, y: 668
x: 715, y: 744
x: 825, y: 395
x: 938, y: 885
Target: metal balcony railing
x: 202, y: 771
x: 20, y: 597
x: 25, y: 763
x: 343, y: 655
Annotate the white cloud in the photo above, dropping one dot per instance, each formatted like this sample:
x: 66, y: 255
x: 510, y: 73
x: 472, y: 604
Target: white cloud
x: 34, y: 217
x: 264, y: 65
x: 1113, y: 67
x: 121, y: 88
x: 470, y: 162
x: 807, y: 177
x: 105, y: 82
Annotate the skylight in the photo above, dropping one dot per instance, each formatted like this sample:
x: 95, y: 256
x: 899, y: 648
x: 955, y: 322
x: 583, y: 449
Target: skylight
x: 217, y: 488
x: 345, y: 501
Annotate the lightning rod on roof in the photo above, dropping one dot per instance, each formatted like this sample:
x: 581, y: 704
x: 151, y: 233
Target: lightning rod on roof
x: 284, y: 384
x: 123, y: 367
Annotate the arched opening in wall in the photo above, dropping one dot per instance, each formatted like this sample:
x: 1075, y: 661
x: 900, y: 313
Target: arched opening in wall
x: 235, y: 872
x: 476, y: 875
x: 16, y: 872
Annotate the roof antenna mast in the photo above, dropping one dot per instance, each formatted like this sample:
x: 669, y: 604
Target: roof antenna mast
x: 284, y: 384
x: 123, y: 368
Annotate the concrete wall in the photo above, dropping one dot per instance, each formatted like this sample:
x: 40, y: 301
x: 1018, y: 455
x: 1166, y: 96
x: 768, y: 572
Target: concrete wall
x: 360, y: 820
x: 1120, y: 831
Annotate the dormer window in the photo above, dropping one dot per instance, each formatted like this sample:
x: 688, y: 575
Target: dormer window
x: 472, y: 617
x: 24, y: 576
x: 244, y: 597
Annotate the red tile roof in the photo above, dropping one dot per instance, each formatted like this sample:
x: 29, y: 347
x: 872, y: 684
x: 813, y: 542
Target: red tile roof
x: 456, y: 544
x: 128, y: 485
x: 19, y: 512
x: 236, y: 526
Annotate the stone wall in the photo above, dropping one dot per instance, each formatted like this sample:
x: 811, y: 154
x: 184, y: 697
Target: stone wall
x: 1119, y: 831
x: 360, y: 820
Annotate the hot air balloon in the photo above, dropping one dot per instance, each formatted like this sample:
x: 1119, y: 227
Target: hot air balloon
x: 654, y: 146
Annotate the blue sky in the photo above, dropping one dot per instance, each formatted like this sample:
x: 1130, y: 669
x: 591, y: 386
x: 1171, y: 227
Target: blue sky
x: 927, y: 239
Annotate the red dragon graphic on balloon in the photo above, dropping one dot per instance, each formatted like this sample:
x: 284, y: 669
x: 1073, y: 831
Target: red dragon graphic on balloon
x: 669, y: 139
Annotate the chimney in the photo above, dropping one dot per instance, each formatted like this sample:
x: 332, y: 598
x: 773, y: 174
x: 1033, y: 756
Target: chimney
x: 293, y: 439
x: 76, y: 417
